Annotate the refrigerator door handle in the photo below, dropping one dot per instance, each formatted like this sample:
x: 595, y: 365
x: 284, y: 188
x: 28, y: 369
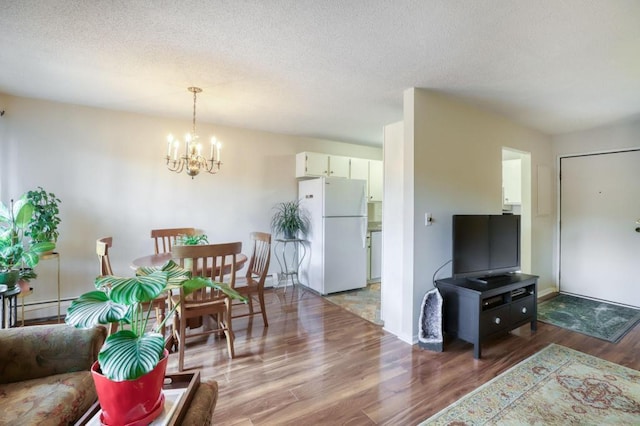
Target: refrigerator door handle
x: 363, y: 202
x: 363, y: 232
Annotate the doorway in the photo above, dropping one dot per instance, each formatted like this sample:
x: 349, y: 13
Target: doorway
x: 599, y: 226
x: 516, y: 197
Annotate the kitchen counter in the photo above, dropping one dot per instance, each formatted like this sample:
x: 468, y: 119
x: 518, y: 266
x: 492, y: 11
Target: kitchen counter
x: 374, y: 226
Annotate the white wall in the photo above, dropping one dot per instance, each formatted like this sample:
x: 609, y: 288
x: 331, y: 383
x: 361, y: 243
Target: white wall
x: 456, y: 159
x: 618, y: 136
x: 108, y: 169
x: 396, y: 295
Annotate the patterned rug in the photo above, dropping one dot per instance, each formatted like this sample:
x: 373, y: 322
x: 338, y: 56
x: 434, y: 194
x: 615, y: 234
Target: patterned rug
x: 556, y: 386
x: 364, y: 302
x: 594, y: 318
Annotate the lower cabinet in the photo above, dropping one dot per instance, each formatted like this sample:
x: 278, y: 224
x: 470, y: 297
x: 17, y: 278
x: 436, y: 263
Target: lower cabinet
x: 475, y: 312
x: 376, y: 255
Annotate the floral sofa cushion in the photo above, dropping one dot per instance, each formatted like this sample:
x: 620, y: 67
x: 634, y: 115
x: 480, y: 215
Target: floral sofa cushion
x: 44, y: 373
x: 51, y: 400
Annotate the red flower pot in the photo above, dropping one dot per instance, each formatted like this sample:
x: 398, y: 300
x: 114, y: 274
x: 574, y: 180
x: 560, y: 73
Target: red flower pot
x: 131, y: 402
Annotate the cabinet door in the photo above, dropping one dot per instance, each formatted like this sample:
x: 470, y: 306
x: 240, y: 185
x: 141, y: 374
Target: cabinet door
x: 376, y: 180
x: 338, y: 166
x: 376, y: 255
x: 360, y: 170
x: 316, y: 164
x: 511, y: 181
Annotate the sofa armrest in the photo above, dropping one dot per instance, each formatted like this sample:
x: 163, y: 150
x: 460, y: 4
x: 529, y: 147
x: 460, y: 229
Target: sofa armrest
x: 43, y: 350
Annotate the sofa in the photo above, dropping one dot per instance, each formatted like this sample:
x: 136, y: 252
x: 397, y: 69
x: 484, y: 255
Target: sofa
x: 44, y: 373
x: 45, y: 378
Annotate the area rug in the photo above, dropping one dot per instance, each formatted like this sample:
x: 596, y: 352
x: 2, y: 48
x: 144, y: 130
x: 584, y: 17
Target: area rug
x: 556, y: 386
x: 591, y: 317
x: 363, y: 302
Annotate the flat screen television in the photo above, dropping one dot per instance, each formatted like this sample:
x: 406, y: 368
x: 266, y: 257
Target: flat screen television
x: 485, y: 247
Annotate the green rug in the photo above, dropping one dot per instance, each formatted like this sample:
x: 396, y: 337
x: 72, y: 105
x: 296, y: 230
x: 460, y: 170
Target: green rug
x: 598, y: 319
x: 556, y: 386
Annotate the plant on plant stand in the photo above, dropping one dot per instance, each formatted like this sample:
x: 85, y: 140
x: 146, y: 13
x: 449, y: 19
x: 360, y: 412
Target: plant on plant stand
x: 290, y: 220
x: 131, y: 364
x: 45, y: 220
x: 17, y: 258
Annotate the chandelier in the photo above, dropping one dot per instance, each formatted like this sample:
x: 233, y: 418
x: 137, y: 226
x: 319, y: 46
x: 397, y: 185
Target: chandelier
x: 192, y: 161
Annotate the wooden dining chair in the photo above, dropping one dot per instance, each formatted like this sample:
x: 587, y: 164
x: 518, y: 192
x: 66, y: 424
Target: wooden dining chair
x: 252, y: 284
x: 165, y: 238
x: 215, y: 261
x: 102, y: 250
x: 159, y: 304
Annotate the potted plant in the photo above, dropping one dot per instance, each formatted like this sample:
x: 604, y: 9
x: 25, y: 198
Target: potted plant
x: 45, y: 220
x: 289, y: 220
x: 192, y: 240
x: 17, y: 258
x: 131, y: 364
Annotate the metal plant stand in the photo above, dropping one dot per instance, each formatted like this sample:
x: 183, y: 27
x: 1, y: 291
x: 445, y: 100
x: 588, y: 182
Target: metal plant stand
x: 289, y: 253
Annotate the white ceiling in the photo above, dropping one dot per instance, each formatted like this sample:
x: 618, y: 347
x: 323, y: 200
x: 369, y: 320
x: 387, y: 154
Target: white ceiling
x: 323, y: 68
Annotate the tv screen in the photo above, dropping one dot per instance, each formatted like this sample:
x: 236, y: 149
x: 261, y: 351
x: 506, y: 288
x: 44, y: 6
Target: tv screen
x: 485, y: 245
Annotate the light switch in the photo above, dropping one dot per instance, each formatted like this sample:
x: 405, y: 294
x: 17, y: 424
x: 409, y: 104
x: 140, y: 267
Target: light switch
x: 428, y: 219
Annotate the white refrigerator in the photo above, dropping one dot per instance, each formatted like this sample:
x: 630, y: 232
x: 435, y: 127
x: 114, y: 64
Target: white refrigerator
x: 336, y: 253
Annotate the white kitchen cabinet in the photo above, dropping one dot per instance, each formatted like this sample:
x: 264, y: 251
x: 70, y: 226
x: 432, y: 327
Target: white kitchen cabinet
x: 375, y: 264
x: 312, y: 164
x: 511, y: 182
x: 368, y: 256
x: 376, y: 180
x: 360, y: 170
x: 338, y: 166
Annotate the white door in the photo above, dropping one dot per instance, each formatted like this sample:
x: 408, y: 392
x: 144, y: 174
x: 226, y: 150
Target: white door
x: 599, y: 243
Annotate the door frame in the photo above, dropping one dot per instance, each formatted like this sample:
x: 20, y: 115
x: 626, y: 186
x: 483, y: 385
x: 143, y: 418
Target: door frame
x: 558, y: 272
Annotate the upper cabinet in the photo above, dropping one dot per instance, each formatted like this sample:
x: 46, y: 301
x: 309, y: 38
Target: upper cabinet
x: 376, y: 180
x: 511, y: 182
x: 311, y: 164
x: 371, y: 171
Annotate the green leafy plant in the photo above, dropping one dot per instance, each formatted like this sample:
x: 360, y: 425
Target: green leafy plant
x: 192, y: 240
x: 15, y: 253
x: 44, y: 222
x: 133, y: 351
x: 289, y: 219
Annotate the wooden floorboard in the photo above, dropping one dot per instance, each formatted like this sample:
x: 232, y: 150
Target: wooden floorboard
x: 317, y: 363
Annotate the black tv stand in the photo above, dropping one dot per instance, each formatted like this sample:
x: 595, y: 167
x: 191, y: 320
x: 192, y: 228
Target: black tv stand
x: 475, y: 312
x: 490, y: 278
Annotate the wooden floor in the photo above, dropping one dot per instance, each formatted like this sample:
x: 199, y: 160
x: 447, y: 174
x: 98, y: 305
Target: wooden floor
x: 319, y: 364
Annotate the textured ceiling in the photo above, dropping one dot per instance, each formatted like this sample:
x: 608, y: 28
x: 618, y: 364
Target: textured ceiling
x: 329, y: 69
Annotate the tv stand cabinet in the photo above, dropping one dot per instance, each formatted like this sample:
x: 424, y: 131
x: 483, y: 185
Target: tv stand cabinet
x: 475, y: 312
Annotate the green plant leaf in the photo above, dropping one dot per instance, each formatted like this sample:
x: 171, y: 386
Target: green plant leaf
x: 5, y: 215
x: 126, y: 356
x: 30, y: 259
x: 175, y: 273
x: 22, y: 212
x: 95, y: 308
x: 133, y: 290
x: 42, y: 247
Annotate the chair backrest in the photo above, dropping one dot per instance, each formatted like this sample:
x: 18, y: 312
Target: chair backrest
x: 215, y: 261
x: 102, y: 250
x: 260, y: 257
x: 165, y: 238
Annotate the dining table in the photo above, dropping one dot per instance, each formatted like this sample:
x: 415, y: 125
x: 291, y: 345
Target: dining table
x: 160, y: 259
